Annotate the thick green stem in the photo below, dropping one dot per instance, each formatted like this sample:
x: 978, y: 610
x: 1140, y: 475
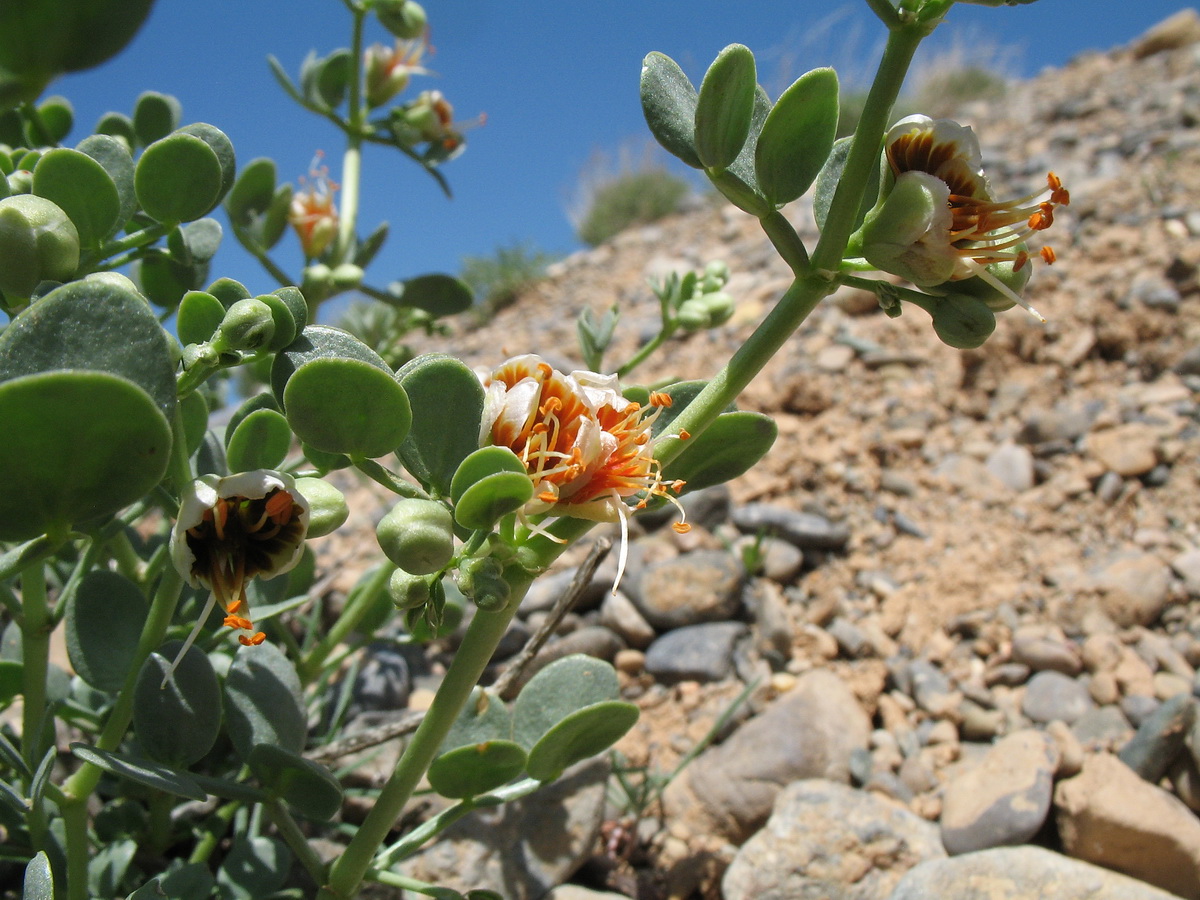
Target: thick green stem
x: 75, y: 820
x: 294, y: 837
x: 478, y: 645
x: 35, y: 647
x: 352, y: 159
x: 902, y: 43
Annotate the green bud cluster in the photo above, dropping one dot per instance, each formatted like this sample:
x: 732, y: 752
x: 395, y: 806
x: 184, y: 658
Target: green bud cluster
x: 481, y: 579
x: 697, y: 300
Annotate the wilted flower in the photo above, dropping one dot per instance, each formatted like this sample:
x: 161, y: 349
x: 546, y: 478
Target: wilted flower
x: 389, y: 69
x: 312, y: 212
x: 585, y: 446
x: 937, y: 221
x: 231, y: 530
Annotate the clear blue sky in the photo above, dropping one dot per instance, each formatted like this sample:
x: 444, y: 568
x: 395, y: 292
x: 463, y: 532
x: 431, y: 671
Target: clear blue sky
x: 557, y: 81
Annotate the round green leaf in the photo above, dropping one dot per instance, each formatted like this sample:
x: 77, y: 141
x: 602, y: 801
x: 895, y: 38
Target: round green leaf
x: 249, y: 405
x: 262, y: 701
x: 347, y: 406
x: 308, y: 788
x: 285, y: 322
x: 177, y: 723
x: 319, y: 342
x: 77, y: 446
x: 561, y: 689
x: 480, y: 464
x: 254, y: 868
x: 93, y: 324
x: 178, y: 178
x: 447, y: 406
x: 104, y: 622
x: 580, y: 735
x: 220, y: 144
x: 669, y: 105
x: 57, y: 118
x: 164, y: 280
x: 82, y: 188
x: 196, y: 242
x: 155, y: 116
x: 490, y: 498
x: 117, y: 125
x: 39, y: 879
x: 113, y: 154
x: 485, y: 717
x: 729, y: 447
x: 437, y: 294
x: 229, y: 291
x: 797, y: 137
x: 199, y: 316
x: 251, y: 194
x: 476, y: 769
x: 194, y: 410
x: 296, y: 304
x: 725, y: 106
x: 260, y: 441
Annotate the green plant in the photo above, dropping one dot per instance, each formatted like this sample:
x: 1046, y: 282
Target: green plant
x: 152, y: 536
x: 498, y: 280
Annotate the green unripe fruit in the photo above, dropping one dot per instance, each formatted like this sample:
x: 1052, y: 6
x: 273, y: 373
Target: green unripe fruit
x: 38, y: 242
x: 346, y: 276
x: 963, y: 321
x: 403, y: 18
x: 408, y: 591
x: 417, y: 535
x: 248, y: 325
x: 719, y: 306
x: 328, y: 510
x: 482, y: 580
x: 693, y: 314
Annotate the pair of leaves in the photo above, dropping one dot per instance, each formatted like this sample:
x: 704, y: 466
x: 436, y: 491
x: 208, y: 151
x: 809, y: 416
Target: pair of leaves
x: 761, y: 155
x: 566, y: 713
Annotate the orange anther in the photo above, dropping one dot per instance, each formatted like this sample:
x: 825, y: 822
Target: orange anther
x: 544, y: 370
x: 677, y: 485
x: 1019, y: 262
x: 552, y: 405
x: 548, y: 497
x: 238, y: 622
x: 661, y: 399
x: 681, y: 527
x: 279, y: 506
x: 253, y: 640
x: 684, y: 434
x: 234, y: 606
x: 1047, y: 254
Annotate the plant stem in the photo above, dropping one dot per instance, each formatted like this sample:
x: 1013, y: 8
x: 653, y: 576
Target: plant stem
x: 361, y: 602
x: 35, y: 647
x: 903, y: 40
x: 294, y: 837
x: 75, y: 820
x: 483, y: 634
x: 352, y: 159
x: 786, y: 242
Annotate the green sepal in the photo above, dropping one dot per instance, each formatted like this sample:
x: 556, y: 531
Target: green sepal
x: 725, y: 106
x: 447, y: 405
x: 177, y: 722
x: 307, y: 787
x: 417, y: 535
x: 669, y: 105
x: 83, y: 189
x: 103, y: 624
x: 797, y: 137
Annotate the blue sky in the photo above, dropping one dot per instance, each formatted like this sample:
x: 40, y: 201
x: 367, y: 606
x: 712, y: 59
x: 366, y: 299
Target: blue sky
x: 557, y: 81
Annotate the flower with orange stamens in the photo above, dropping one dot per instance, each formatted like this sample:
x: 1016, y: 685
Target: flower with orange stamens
x: 936, y: 220
x: 586, y: 448
x: 312, y: 213
x: 231, y: 530
x: 389, y: 69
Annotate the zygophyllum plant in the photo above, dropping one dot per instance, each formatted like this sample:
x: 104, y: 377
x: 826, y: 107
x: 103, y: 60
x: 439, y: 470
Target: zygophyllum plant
x: 176, y: 757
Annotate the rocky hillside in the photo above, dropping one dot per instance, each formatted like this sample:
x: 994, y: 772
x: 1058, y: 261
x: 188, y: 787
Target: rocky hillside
x: 976, y: 621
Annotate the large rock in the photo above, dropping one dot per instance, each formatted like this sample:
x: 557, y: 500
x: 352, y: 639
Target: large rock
x: 809, y: 732
x: 704, y: 586
x: 1019, y: 873
x: 1108, y: 815
x: 1005, y: 798
x: 826, y: 840
x: 525, y: 848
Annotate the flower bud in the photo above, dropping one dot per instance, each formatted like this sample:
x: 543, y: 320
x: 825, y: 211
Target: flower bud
x: 719, y: 306
x: 248, y: 325
x: 963, y: 321
x: 38, y: 242
x: 482, y: 580
x: 346, y: 276
x: 316, y: 282
x: 408, y: 591
x: 693, y: 314
x: 328, y: 510
x: 403, y: 18
x: 417, y: 535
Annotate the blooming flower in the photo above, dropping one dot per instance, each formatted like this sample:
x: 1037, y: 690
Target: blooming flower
x: 388, y: 69
x: 586, y: 448
x: 233, y: 529
x: 937, y: 220
x: 312, y: 212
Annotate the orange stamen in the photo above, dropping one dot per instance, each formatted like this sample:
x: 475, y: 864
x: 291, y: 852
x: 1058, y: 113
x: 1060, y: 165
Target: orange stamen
x: 684, y: 434
x: 253, y: 640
